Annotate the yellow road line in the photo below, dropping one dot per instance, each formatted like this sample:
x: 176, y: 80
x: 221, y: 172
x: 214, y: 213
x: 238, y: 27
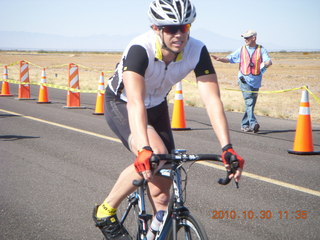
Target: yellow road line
x: 64, y: 126
x: 268, y: 180
x: 250, y: 175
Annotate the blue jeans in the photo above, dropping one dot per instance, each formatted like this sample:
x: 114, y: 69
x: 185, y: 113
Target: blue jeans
x: 250, y: 99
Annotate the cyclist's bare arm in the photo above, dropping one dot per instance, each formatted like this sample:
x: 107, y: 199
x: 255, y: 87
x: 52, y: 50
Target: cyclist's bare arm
x: 142, y: 137
x: 135, y: 90
x: 210, y: 95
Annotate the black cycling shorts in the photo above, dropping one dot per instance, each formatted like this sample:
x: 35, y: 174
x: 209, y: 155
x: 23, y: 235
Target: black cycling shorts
x: 116, y: 115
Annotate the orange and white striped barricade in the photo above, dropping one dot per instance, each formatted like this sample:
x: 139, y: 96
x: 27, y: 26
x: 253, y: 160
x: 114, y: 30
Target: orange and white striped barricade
x: 43, y: 90
x: 73, y: 97
x: 99, y: 110
x: 5, y: 90
x: 178, y: 121
x: 24, y: 86
x: 303, y: 143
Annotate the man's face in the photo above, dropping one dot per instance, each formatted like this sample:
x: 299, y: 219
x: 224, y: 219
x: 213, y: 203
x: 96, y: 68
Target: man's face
x: 175, y: 37
x: 250, y: 41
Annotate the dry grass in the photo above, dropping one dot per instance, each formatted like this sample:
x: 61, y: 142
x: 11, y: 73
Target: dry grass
x: 289, y: 70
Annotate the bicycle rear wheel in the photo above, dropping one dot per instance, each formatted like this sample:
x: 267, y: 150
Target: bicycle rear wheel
x: 188, y: 228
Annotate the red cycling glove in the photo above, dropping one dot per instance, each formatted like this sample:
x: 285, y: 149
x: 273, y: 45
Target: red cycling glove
x: 142, y: 162
x: 227, y: 152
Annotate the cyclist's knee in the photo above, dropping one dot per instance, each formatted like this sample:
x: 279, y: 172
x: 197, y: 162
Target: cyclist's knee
x: 159, y: 149
x: 160, y: 199
x: 160, y: 190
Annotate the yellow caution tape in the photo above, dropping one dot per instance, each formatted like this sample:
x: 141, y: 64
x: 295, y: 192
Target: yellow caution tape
x: 317, y: 99
x: 266, y: 92
x: 10, y: 65
x: 313, y: 95
x: 33, y: 64
x: 54, y: 86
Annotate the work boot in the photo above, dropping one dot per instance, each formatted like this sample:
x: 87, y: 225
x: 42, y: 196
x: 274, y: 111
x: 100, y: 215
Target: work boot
x: 110, y: 227
x: 256, y: 128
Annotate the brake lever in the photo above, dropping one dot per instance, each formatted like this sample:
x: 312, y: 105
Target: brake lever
x: 234, y: 165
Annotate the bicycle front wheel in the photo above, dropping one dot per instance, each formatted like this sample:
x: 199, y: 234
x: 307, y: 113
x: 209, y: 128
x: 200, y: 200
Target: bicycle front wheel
x: 131, y: 222
x: 188, y: 228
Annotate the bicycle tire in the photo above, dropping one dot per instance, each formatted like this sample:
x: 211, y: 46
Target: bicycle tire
x: 188, y: 228
x: 131, y: 223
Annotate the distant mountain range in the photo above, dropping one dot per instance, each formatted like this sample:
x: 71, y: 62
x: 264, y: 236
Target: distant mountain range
x: 10, y: 40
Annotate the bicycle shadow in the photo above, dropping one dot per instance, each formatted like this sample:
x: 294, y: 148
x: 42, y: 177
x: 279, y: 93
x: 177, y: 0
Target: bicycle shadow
x: 15, y: 137
x: 8, y: 115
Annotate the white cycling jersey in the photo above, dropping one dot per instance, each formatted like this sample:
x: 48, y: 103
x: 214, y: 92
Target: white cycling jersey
x: 159, y: 77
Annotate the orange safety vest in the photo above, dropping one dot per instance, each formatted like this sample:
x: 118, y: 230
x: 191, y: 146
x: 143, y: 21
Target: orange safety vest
x: 250, y: 65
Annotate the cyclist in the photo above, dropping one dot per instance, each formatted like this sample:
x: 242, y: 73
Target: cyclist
x: 136, y: 107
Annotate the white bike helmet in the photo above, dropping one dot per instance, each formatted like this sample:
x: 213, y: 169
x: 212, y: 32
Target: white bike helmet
x: 171, y: 12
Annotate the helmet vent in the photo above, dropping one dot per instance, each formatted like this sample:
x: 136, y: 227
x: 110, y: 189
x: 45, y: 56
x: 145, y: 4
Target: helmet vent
x: 179, y: 8
x: 156, y: 15
x: 171, y: 16
x: 188, y: 11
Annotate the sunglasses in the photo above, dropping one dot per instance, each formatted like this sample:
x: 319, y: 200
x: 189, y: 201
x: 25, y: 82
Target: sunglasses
x: 173, y: 29
x: 246, y: 38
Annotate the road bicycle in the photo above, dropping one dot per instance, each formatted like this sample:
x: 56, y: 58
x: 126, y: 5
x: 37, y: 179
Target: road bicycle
x: 177, y: 223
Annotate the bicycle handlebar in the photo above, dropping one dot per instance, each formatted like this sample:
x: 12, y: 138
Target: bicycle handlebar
x: 177, y: 158
x: 184, y: 157
x: 181, y: 156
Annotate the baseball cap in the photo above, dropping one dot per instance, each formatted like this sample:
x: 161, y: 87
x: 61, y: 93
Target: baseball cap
x: 249, y: 33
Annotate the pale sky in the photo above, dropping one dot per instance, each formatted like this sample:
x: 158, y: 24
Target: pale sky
x: 292, y: 23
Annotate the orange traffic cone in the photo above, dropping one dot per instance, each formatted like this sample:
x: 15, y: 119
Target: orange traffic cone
x: 5, y: 91
x: 24, y: 87
x: 73, y: 98
x: 303, y: 144
x: 178, y: 121
x: 43, y: 91
x: 100, y: 97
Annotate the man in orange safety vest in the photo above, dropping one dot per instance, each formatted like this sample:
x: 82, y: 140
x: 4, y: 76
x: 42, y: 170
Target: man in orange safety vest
x: 253, y: 61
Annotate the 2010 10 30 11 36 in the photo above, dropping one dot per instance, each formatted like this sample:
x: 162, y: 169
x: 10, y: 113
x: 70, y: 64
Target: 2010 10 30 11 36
x: 260, y: 214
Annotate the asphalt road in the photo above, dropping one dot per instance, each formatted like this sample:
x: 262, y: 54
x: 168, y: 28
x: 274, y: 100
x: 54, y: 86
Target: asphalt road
x: 56, y: 163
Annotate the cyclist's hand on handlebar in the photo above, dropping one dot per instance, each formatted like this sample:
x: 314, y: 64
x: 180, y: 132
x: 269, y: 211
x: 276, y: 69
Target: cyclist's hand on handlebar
x: 142, y: 162
x: 233, y: 162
